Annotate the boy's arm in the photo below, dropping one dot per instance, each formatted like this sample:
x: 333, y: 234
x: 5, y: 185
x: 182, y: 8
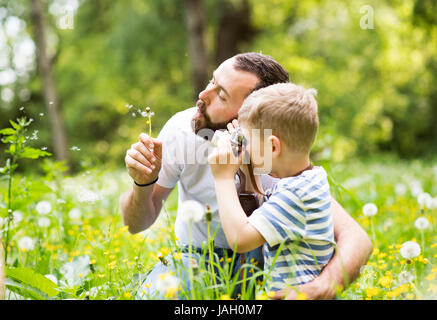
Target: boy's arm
x: 240, y: 234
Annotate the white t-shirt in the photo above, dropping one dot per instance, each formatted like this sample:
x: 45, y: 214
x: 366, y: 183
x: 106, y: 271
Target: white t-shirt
x: 185, y: 162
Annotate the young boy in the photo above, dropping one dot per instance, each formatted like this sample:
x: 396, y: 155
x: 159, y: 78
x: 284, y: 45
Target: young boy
x: 297, y: 212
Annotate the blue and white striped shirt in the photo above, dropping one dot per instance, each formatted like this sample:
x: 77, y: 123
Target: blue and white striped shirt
x: 298, y: 214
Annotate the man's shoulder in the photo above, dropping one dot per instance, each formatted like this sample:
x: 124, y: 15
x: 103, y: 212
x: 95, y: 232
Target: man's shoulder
x: 180, y: 122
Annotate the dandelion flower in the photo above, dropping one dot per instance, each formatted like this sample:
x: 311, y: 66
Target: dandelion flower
x: 167, y: 283
x: 43, y: 207
x: 26, y: 243
x: 410, y: 250
x: 44, y: 222
x: 191, y: 211
x: 17, y: 216
x: 400, y: 189
x: 405, y: 277
x: 74, y: 214
x: 416, y: 188
x: 421, y: 223
x: 86, y: 195
x: 424, y: 200
x: 370, y: 209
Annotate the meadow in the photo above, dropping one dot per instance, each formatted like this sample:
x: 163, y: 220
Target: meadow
x: 65, y: 239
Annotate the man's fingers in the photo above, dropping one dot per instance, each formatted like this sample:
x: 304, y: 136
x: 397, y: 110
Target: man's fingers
x: 157, y: 148
x: 146, y: 152
x: 134, y: 164
x: 235, y: 123
x: 147, y: 141
x: 136, y: 155
x: 230, y: 127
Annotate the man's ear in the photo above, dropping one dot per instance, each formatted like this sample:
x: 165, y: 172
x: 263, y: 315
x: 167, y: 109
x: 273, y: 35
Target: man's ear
x: 276, y: 146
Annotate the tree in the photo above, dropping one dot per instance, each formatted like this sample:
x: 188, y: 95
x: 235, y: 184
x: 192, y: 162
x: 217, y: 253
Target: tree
x: 45, y: 66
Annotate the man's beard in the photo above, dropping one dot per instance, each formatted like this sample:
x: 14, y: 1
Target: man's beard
x: 205, y: 121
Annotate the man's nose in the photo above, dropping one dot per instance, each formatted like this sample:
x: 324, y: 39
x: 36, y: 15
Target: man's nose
x: 207, y: 94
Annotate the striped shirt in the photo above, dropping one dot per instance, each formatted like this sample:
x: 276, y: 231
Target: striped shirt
x: 297, y: 215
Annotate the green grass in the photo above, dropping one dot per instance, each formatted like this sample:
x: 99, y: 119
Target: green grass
x: 95, y: 257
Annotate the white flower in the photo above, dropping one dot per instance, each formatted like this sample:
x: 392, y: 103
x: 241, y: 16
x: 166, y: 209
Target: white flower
x: 74, y: 214
x: 2, y: 221
x: 44, y: 222
x: 405, y: 277
x: 424, y: 200
x: 26, y: 243
x: 86, y: 195
x: 421, y: 223
x: 400, y: 189
x: 410, y: 250
x: 166, y: 283
x: 433, y: 203
x: 17, y: 216
x: 370, y: 209
x: 43, y: 207
x: 191, y: 211
x: 416, y: 187
x: 52, y: 278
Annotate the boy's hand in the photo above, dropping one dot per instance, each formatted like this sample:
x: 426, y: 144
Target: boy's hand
x: 223, y: 163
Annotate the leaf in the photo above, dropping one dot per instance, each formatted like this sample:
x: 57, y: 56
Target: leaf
x: 7, y: 131
x: 24, y: 290
x: 14, y: 125
x: 36, y: 280
x: 32, y: 153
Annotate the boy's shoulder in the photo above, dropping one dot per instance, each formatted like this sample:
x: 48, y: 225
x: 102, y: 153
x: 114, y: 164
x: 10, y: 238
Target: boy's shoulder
x: 305, y: 185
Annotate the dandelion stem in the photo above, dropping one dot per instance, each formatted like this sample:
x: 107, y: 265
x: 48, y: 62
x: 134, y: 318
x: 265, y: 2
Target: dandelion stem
x: 211, y: 257
x: 190, y: 262
x: 373, y: 231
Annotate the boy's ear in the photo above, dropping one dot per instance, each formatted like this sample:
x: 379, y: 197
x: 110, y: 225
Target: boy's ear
x: 276, y: 146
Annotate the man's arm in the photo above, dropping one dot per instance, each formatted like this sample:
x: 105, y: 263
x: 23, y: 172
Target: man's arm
x: 353, y: 250
x: 140, y: 206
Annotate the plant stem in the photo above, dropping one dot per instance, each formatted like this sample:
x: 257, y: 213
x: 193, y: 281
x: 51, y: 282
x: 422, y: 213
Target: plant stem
x: 211, y: 257
x: 190, y: 263
x: 10, y: 216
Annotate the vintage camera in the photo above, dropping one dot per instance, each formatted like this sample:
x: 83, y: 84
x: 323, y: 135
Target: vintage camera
x: 238, y: 141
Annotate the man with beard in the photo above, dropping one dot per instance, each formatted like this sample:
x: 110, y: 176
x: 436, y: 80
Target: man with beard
x: 179, y: 156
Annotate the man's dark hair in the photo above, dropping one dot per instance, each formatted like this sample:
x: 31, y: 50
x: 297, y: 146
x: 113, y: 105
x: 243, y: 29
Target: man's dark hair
x: 264, y: 67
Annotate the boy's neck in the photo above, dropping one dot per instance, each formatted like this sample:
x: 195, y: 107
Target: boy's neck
x: 290, y: 164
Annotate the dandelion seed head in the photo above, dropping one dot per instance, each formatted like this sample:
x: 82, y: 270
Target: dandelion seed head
x: 44, y: 222
x: 421, y: 223
x: 43, y: 207
x: 191, y: 211
x: 370, y: 209
x: 424, y: 200
x: 74, y: 214
x: 410, y: 250
x: 26, y: 243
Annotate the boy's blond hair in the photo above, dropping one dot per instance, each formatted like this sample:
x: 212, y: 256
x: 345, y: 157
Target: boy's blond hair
x: 289, y: 110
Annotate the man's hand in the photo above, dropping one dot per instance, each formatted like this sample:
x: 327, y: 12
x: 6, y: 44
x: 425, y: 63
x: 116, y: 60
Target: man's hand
x: 223, y: 163
x: 318, y: 289
x: 143, y: 159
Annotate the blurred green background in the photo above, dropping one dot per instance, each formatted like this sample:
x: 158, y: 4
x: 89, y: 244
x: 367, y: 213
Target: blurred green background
x: 374, y: 64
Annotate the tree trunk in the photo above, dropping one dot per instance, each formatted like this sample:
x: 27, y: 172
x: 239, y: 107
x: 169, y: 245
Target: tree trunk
x: 50, y: 94
x: 195, y: 19
x: 234, y: 29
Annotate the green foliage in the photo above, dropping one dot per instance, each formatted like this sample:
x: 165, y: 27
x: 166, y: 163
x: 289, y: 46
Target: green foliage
x: 30, y: 282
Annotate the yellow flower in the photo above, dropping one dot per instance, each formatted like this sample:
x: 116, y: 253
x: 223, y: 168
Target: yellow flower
x: 124, y: 229
x: 80, y: 275
x: 93, y: 261
x: 271, y: 294
x: 385, y: 281
x: 101, y: 276
x: 434, y: 245
x: 261, y: 296
x: 430, y: 277
x: 381, y: 267
x: 382, y: 255
x: 229, y: 260
x: 127, y: 295
x: 301, y: 296
x: 410, y: 296
x: 148, y: 285
x: 177, y: 255
x: 371, y: 292
x: 225, y: 297
x: 375, y: 251
x: 111, y: 265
